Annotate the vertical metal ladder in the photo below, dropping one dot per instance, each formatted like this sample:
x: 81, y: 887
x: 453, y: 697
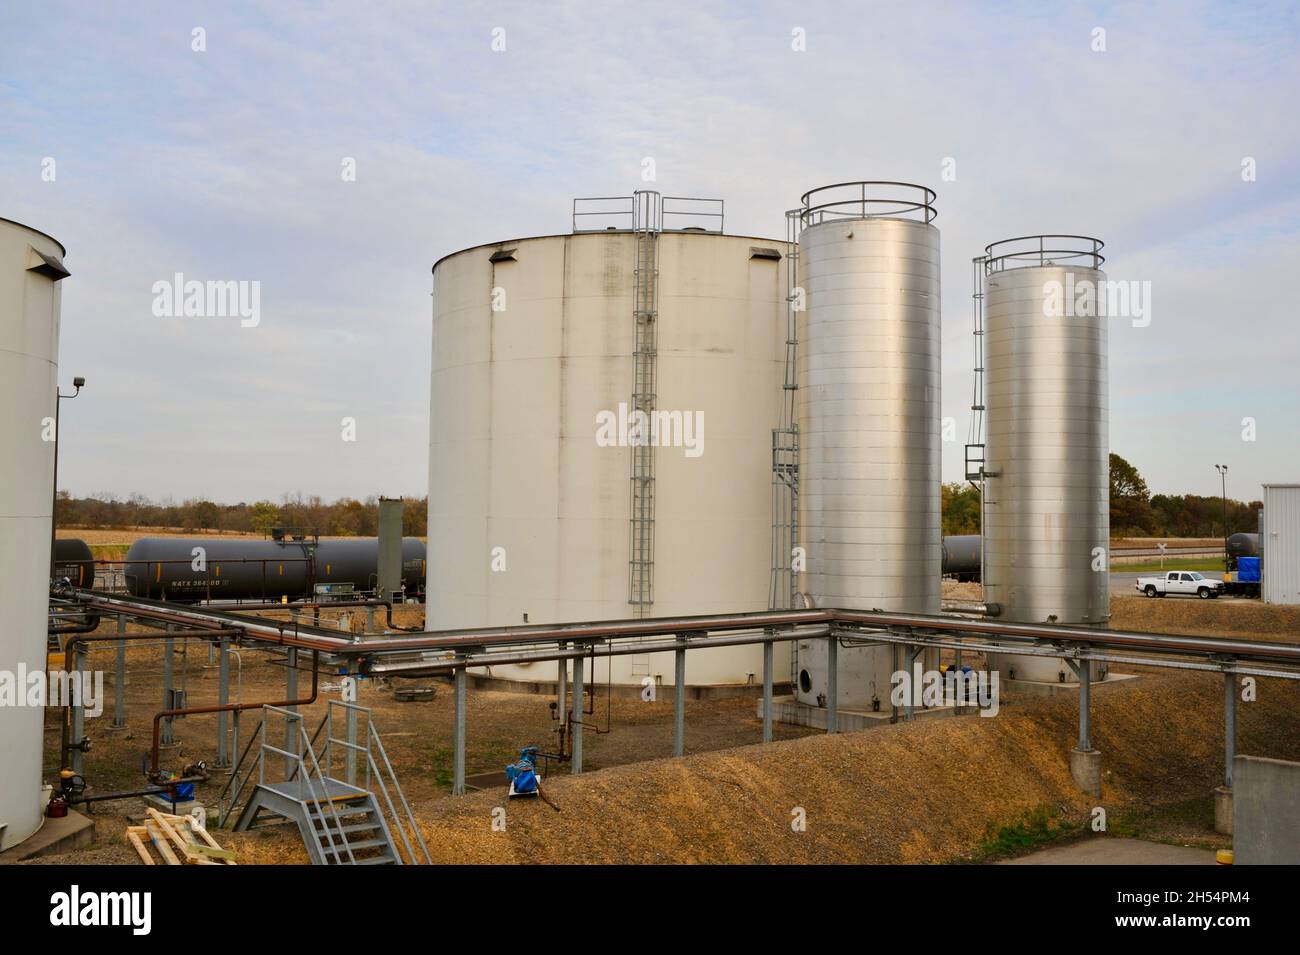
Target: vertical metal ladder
x: 647, y: 222
x: 785, y: 438
x: 976, y: 464
x: 975, y: 436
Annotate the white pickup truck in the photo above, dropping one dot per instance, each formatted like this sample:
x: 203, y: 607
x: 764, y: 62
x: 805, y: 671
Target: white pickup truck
x: 1180, y: 582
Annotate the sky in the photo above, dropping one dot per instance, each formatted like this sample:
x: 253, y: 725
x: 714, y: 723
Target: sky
x: 210, y: 140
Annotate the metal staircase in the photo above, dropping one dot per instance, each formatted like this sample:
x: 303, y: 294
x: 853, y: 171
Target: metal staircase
x: 342, y: 820
x: 648, y: 220
x: 785, y: 438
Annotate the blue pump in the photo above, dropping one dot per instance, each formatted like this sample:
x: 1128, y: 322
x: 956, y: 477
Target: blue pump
x: 523, y: 774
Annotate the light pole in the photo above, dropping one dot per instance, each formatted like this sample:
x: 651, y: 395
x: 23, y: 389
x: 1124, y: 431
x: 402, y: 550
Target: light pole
x: 1223, y: 484
x: 77, y: 384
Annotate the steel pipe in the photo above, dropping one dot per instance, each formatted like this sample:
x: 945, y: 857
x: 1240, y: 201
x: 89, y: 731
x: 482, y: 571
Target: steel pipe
x: 230, y: 708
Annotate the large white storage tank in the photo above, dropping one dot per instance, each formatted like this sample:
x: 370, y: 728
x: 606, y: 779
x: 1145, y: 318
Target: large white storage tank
x: 31, y: 266
x: 529, y: 515
x: 1280, y: 544
x: 869, y: 420
x: 1047, y: 484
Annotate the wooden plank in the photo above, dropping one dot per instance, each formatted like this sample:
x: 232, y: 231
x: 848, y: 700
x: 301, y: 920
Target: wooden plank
x: 207, y: 837
x: 196, y: 852
x: 133, y: 837
x: 174, y: 835
x: 215, y: 853
x: 202, y: 833
x: 160, y: 842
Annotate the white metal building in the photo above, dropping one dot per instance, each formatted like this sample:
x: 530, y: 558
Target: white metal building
x: 1280, y: 544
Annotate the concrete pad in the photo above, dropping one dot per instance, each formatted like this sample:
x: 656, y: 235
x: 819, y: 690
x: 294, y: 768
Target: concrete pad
x: 163, y: 804
x: 1223, y: 810
x: 1265, y: 811
x: 626, y: 691
x: 1037, y: 688
x: 73, y: 831
x: 785, y: 709
x: 1107, y: 850
x: 1085, y: 769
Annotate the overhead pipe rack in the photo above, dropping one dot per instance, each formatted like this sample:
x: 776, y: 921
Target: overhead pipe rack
x: 464, y: 649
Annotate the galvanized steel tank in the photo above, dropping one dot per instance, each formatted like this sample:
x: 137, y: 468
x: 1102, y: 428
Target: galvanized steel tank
x: 869, y: 417
x: 31, y: 268
x: 528, y: 513
x: 1046, y: 509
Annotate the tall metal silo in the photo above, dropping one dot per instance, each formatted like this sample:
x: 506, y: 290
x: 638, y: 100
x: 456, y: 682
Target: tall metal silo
x: 535, y: 514
x: 1046, y: 456
x: 31, y: 266
x: 869, y: 419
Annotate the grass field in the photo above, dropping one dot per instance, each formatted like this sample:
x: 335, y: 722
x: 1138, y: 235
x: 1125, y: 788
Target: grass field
x: 1206, y: 565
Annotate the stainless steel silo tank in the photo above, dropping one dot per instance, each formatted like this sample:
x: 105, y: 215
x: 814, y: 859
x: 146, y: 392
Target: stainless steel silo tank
x: 869, y: 419
x: 31, y: 268
x: 1046, y: 509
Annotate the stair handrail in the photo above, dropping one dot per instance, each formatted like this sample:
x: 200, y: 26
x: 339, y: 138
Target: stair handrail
x: 376, y: 743
x: 381, y: 777
x: 314, y: 804
x: 334, y: 812
x: 234, y: 787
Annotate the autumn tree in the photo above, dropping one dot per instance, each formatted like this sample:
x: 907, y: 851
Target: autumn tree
x: 1130, y: 500
x: 961, y: 508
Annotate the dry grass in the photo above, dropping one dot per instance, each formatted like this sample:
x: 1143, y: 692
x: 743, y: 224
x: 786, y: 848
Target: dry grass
x: 1229, y: 618
x: 98, y: 536
x: 1124, y: 543
x: 928, y: 792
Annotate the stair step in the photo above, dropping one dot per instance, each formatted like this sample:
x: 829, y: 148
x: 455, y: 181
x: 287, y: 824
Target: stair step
x: 364, y: 844
x: 353, y: 827
x: 378, y: 860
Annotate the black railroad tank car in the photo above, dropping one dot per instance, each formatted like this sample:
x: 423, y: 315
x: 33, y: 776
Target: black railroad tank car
x: 1243, y: 545
x: 961, y: 556
x: 192, y: 569
x: 73, y: 559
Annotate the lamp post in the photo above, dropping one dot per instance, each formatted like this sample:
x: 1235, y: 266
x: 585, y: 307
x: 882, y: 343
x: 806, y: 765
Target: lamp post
x: 1223, y: 484
x: 77, y: 384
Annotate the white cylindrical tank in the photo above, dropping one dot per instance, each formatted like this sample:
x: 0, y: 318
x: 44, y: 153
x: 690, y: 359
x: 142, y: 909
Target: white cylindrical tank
x: 530, y: 505
x: 869, y: 420
x: 1046, y: 509
x: 30, y: 269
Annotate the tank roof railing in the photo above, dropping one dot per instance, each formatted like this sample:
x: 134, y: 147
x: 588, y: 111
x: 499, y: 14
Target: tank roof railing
x: 868, y: 199
x: 670, y: 213
x: 1037, y: 251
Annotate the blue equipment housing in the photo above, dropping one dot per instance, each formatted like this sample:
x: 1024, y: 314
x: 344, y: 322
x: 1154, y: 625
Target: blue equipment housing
x: 523, y: 774
x: 1248, y: 570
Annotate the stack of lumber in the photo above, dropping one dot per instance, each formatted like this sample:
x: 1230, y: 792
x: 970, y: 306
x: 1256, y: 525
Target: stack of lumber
x: 178, y: 840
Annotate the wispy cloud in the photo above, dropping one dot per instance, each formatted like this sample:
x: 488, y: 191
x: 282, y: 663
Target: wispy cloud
x: 226, y: 164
